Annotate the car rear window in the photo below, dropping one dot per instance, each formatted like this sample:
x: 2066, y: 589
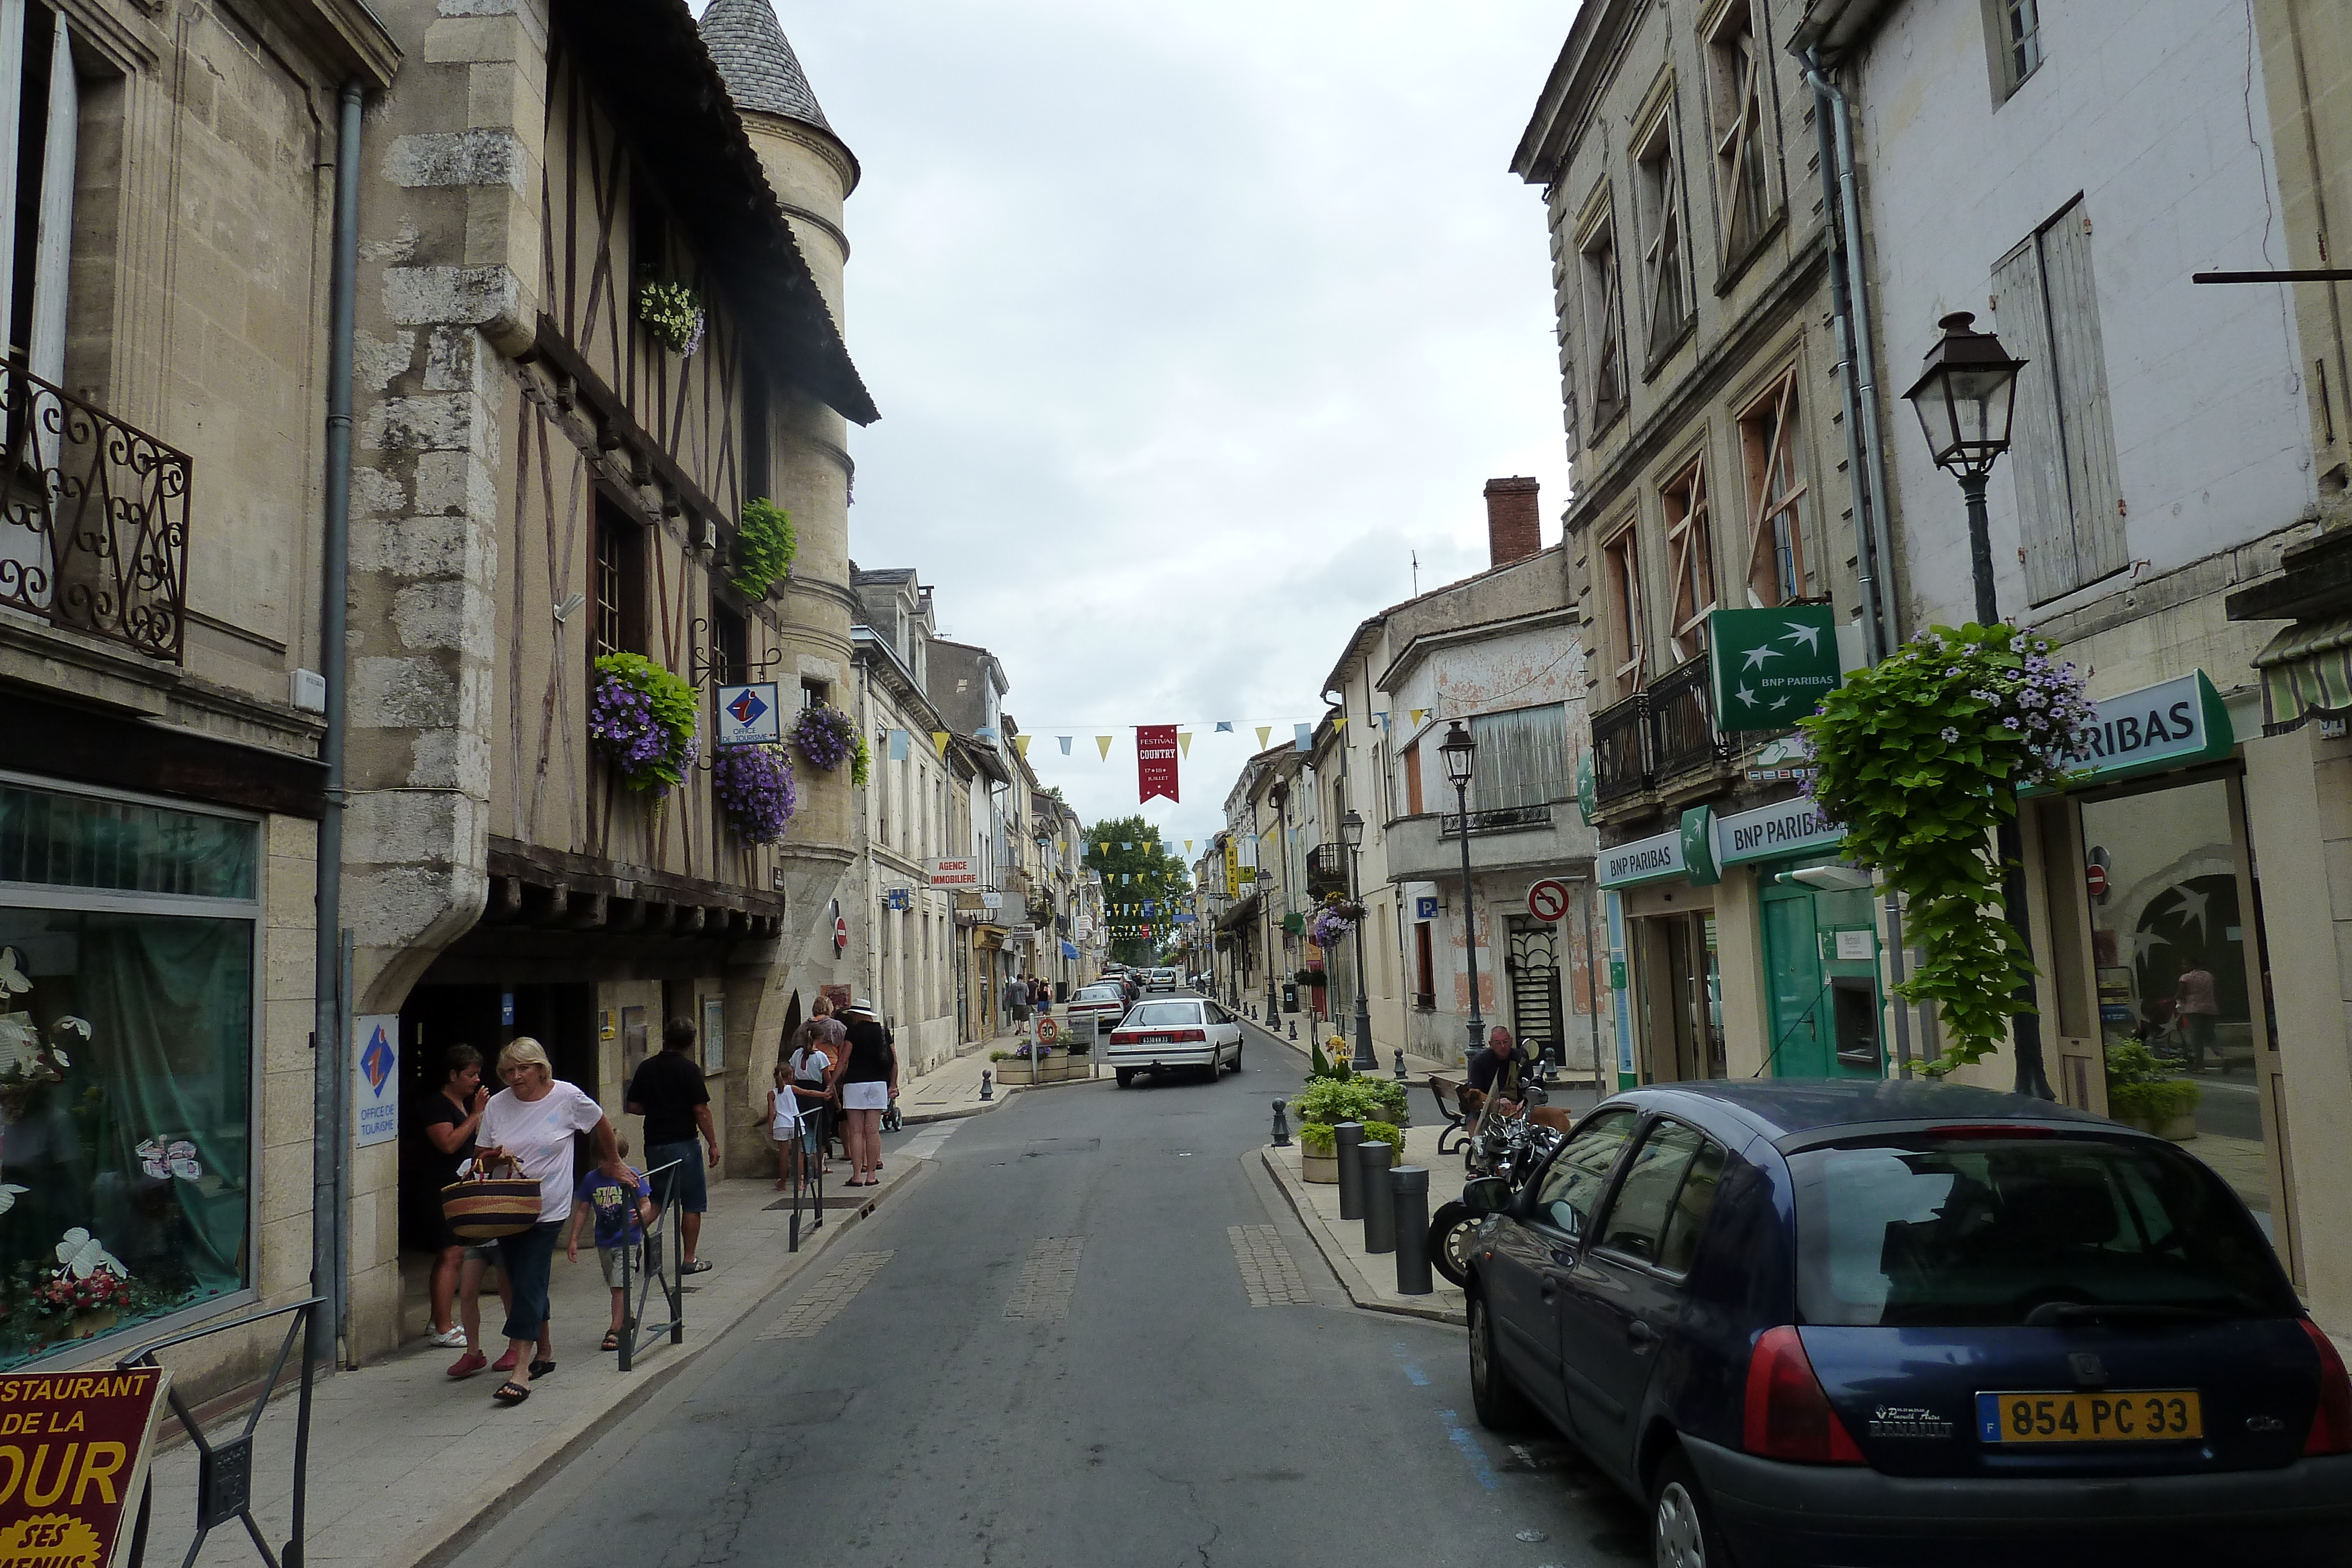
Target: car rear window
x: 1970, y: 1232
x: 1160, y: 1015
x: 1100, y: 994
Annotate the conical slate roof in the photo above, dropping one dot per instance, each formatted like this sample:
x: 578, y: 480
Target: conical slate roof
x: 761, y: 70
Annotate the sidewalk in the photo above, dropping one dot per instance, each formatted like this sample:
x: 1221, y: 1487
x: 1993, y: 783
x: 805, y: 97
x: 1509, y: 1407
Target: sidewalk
x: 952, y: 1089
x: 407, y: 1465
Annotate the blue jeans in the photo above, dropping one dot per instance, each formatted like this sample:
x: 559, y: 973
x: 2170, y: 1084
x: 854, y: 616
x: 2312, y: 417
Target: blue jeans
x: 528, y: 1260
x: 685, y: 1185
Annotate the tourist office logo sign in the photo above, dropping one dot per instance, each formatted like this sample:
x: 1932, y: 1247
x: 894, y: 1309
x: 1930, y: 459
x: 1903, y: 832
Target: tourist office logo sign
x: 748, y: 714
x: 375, y: 1083
x: 1770, y: 666
x: 80, y: 1440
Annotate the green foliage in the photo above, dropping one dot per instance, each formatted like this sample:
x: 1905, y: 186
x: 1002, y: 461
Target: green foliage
x: 1000, y: 1056
x: 1921, y: 756
x: 766, y: 547
x: 1334, y: 1099
x: 1335, y: 1066
x: 1154, y: 874
x: 674, y: 710
x: 861, y: 762
x: 1317, y: 1138
x: 1386, y: 1132
x: 2139, y: 1089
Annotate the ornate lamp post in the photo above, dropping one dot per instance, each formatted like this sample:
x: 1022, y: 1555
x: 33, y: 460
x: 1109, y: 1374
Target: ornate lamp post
x: 1351, y: 832
x: 1461, y: 754
x: 1966, y: 399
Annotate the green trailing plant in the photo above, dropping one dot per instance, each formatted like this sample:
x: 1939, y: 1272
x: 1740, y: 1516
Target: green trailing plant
x: 766, y: 545
x: 861, y: 762
x: 643, y: 718
x: 1317, y: 1138
x: 1922, y: 757
x: 672, y: 314
x: 1386, y: 1132
x: 2140, y: 1091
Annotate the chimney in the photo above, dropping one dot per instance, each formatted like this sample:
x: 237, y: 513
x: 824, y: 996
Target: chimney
x: 1513, y: 530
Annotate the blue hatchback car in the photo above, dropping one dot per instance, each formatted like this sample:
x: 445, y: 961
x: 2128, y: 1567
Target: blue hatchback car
x: 1860, y: 1323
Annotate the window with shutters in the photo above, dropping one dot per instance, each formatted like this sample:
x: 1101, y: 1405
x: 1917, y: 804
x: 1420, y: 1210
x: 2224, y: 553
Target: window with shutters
x: 1690, y: 555
x: 1775, y: 488
x: 1621, y: 602
x: 39, y: 109
x: 1604, y: 323
x: 1736, y: 111
x: 2070, y: 503
x: 1522, y: 758
x: 1410, y: 766
x: 1657, y: 184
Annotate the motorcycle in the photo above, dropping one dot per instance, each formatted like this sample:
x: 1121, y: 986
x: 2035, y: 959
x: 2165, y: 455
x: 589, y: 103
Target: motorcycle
x: 1513, y: 1147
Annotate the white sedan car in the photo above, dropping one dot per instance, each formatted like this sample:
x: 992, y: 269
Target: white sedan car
x: 1161, y: 1036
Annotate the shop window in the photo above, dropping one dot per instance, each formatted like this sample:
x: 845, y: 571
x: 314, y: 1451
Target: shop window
x: 126, y: 961
x: 1777, y: 570
x: 1690, y: 550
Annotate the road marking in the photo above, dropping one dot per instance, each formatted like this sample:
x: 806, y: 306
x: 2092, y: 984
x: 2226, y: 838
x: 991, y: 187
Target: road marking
x: 925, y: 1144
x: 1459, y: 1435
x: 1270, y: 1278
x: 1043, y: 1293
x: 827, y: 1297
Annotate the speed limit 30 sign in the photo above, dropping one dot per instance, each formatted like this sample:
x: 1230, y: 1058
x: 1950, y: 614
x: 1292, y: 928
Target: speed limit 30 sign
x: 1547, y: 899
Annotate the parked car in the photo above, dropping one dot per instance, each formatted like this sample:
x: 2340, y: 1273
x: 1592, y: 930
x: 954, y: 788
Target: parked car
x: 1163, y: 1036
x: 1910, y: 1324
x: 1160, y: 980
x: 1095, y: 1010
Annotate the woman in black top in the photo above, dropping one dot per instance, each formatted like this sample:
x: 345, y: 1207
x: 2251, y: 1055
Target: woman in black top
x: 449, y: 1121
x: 868, y: 1083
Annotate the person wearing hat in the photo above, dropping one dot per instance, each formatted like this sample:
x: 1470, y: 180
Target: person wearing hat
x: 869, y: 1082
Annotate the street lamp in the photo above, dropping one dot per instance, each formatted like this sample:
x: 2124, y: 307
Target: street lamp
x: 1351, y: 833
x: 1966, y: 399
x: 1461, y: 754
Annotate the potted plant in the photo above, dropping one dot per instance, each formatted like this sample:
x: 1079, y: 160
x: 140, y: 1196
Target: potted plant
x: 753, y: 786
x: 642, y: 718
x: 1390, y: 1133
x: 2141, y: 1095
x: 828, y: 738
x: 1330, y: 1101
x: 1314, y: 977
x: 766, y: 544
x: 1319, y: 1159
x: 672, y: 314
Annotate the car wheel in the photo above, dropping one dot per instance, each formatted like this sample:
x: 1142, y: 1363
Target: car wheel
x: 1682, y: 1519
x: 1125, y: 1076
x: 1237, y: 1058
x: 1500, y: 1406
x: 1450, y: 1231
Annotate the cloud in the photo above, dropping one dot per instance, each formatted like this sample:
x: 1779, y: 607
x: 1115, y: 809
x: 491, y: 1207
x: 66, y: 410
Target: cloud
x: 1191, y: 326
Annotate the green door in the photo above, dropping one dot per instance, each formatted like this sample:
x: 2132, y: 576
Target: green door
x: 1821, y: 963
x: 1792, y: 978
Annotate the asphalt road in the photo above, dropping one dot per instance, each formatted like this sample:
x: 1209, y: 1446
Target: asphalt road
x: 1042, y: 1353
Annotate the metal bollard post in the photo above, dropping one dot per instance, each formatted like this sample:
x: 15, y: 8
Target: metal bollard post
x: 1344, y: 1137
x: 1399, y: 1066
x: 1409, y: 1194
x: 1281, y: 1127
x: 987, y: 1084
x: 1380, y: 1203
x: 1294, y: 1028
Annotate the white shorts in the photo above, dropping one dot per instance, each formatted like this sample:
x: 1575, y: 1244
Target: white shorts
x: 870, y: 1097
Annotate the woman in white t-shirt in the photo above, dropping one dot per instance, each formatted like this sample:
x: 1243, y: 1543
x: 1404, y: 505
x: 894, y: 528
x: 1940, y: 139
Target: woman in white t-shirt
x: 533, y: 1121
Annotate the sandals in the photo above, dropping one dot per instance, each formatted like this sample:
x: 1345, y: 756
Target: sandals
x: 465, y: 1365
x: 700, y: 1266
x: 612, y: 1340
x: 541, y: 1368
x: 511, y: 1393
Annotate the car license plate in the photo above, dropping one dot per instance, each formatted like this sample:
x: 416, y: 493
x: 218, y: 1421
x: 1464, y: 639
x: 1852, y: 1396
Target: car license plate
x: 2135, y: 1415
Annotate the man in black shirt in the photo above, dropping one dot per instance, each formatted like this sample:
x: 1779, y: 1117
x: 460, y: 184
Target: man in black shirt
x: 1494, y: 1072
x: 668, y: 1091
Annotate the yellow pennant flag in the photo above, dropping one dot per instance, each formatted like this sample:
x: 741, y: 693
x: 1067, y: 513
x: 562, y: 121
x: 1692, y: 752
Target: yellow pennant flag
x: 939, y: 741
x: 1104, y: 848
x: 1338, y: 725
x: 1184, y: 741
x: 1021, y: 744
x: 1263, y: 731
x: 1102, y: 745
x: 1417, y: 713
x: 1188, y: 846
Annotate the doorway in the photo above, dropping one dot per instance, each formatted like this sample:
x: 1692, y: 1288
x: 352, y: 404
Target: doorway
x: 1821, y: 970
x: 1682, y: 997
x: 1532, y: 963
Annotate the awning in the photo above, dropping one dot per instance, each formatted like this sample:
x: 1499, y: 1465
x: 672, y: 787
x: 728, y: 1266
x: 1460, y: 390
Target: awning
x: 2306, y: 669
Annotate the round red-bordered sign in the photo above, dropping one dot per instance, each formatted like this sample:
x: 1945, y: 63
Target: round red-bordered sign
x: 1547, y: 900
x: 2094, y: 876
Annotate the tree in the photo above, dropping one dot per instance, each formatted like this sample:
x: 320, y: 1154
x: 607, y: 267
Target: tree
x: 1137, y: 870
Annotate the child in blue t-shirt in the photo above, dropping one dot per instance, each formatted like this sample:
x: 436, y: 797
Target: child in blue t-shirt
x: 619, y: 1224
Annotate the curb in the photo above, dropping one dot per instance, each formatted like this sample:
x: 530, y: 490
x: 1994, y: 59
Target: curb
x: 1342, y: 1263
x: 552, y: 1454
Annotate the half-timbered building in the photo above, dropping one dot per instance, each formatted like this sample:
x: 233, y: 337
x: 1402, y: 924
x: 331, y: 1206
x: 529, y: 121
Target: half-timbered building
x: 600, y: 326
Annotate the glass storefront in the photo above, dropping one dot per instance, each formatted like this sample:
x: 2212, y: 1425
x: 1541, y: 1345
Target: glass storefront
x: 127, y: 985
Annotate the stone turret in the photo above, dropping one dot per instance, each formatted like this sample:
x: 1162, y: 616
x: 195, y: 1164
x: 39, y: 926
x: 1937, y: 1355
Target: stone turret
x: 810, y: 170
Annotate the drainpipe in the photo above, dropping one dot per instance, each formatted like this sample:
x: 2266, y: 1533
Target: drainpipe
x: 1865, y: 451
x: 330, y: 1040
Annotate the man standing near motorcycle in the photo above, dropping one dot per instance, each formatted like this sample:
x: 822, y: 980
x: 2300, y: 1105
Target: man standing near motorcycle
x: 1495, y: 1072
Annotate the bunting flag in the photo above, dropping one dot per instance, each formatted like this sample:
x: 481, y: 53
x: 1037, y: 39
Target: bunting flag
x: 1155, y: 761
x: 940, y: 738
x: 1382, y: 718
x: 1188, y: 846
x: 1126, y: 846
x: 1303, y: 737
x: 1104, y: 848
x: 1414, y: 717
x: 1263, y: 731
x: 898, y: 739
x: 985, y: 732
x: 1066, y: 744
x: 1184, y: 742
x: 1021, y: 744
x: 1102, y: 745
x: 1224, y: 727
x: 1339, y: 724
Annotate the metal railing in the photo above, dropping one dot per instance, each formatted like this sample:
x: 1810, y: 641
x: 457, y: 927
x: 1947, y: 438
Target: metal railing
x: 1499, y: 819
x: 1621, y: 750
x: 665, y: 1248
x: 93, y: 520
x: 1682, y: 724
x: 224, y: 1467
x: 1326, y: 869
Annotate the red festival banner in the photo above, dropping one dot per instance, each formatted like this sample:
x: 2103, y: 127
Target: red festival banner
x: 1155, y: 760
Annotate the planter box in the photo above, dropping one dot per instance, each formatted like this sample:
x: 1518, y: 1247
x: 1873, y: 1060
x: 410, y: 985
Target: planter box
x: 2179, y: 1128
x: 1058, y: 1068
x: 1323, y: 1169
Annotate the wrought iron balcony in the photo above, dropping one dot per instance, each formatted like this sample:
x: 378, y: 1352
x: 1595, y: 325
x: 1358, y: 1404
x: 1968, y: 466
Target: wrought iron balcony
x: 1682, y: 722
x: 93, y: 520
x: 1326, y: 869
x: 1621, y: 750
x: 1500, y: 820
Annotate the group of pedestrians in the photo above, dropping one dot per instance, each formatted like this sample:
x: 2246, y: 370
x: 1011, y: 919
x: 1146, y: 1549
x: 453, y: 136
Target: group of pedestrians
x: 1030, y: 997
x: 848, y: 1065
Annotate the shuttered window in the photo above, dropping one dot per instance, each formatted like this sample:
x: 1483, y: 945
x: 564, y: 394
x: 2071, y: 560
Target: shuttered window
x: 2062, y: 458
x: 1522, y: 758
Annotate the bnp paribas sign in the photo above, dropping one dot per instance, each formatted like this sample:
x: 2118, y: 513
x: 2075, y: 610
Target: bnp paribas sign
x: 1771, y: 665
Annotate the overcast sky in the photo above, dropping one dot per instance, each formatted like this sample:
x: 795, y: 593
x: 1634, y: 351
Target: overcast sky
x: 1188, y: 325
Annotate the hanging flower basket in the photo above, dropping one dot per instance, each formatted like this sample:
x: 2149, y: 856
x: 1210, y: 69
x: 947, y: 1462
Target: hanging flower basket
x: 766, y: 547
x: 642, y: 718
x: 754, y: 786
x: 673, y: 315
x: 1338, y: 917
x: 825, y: 736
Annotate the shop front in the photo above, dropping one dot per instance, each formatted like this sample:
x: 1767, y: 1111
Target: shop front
x: 1664, y: 959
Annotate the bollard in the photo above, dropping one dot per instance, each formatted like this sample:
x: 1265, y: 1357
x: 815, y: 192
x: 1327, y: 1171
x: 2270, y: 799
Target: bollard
x: 1409, y: 1200
x: 1344, y: 1137
x: 987, y: 1084
x: 1281, y: 1127
x: 1380, y: 1203
x: 1399, y: 1066
x: 1294, y: 1030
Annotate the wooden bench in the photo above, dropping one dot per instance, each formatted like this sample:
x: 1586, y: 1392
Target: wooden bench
x: 1456, y: 1103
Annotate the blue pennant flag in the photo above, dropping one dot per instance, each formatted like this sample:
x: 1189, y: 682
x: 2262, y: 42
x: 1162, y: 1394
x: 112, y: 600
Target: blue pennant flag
x: 1066, y: 744
x: 1304, y: 734
x: 1224, y: 727
x: 898, y: 746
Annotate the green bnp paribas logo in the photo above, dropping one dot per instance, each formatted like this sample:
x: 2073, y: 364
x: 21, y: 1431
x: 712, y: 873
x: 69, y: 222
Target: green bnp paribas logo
x: 1770, y: 666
